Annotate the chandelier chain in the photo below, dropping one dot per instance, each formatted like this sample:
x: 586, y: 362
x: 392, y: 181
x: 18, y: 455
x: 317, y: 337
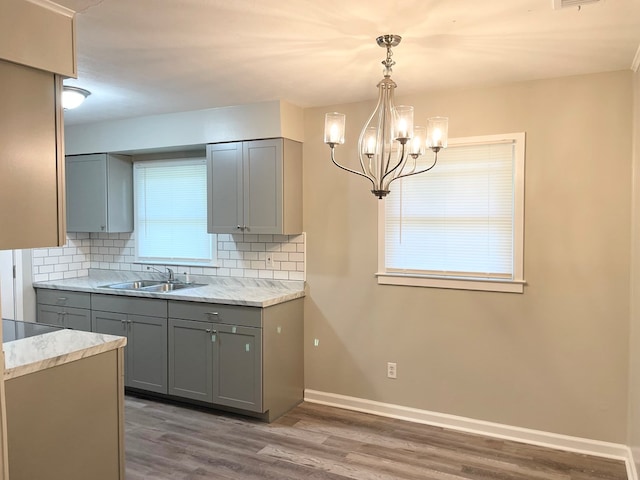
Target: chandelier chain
x: 389, y: 62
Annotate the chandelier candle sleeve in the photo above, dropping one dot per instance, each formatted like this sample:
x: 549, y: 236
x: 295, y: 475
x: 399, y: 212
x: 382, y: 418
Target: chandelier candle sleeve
x: 369, y: 144
x: 437, y: 132
x: 382, y: 160
x: 417, y: 145
x: 403, y: 122
x: 334, y: 128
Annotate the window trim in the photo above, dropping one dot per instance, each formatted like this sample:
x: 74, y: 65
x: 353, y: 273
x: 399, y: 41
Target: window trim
x: 514, y: 285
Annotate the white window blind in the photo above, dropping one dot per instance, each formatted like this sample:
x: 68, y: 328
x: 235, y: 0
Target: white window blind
x: 463, y: 218
x: 171, y: 212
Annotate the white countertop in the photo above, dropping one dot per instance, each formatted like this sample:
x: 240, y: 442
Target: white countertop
x: 224, y: 290
x: 32, y: 354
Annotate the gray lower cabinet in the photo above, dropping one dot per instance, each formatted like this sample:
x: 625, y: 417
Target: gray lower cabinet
x: 144, y: 322
x: 64, y: 309
x: 215, y: 363
x: 191, y: 359
x: 237, y: 367
x: 247, y: 358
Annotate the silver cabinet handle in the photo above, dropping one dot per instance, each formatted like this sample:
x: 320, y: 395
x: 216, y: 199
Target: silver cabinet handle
x: 213, y: 313
x: 208, y: 330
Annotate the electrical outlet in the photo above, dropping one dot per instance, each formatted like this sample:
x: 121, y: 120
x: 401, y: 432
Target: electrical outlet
x: 392, y: 370
x: 269, y: 260
x: 316, y: 342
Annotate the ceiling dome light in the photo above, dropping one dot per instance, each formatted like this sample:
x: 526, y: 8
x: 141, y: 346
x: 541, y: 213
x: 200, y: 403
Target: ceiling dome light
x: 72, y: 97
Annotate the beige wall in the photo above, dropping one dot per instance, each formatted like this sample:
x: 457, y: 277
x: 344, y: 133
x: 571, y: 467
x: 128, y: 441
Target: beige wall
x: 554, y: 358
x: 634, y: 343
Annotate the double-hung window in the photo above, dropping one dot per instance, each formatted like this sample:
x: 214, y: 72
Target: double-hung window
x: 461, y: 224
x: 171, y: 212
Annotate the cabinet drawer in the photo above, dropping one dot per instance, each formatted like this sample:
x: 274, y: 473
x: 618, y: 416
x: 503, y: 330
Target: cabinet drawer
x: 131, y: 305
x: 63, y: 298
x: 213, y: 312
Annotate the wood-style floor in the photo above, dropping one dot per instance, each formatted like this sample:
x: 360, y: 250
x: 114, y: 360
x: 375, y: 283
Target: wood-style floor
x: 313, y: 442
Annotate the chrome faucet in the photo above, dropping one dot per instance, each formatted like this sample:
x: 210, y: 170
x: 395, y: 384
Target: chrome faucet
x: 171, y: 276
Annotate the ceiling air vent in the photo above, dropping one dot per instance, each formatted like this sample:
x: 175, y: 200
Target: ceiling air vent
x: 558, y: 4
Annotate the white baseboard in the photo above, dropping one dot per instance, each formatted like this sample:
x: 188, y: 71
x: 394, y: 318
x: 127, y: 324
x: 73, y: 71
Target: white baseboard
x: 507, y: 432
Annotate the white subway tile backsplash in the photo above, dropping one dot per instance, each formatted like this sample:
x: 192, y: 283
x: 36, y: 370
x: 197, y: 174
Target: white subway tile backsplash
x: 251, y: 256
x: 239, y: 255
x: 289, y: 247
x: 266, y: 274
x: 288, y: 266
x: 248, y: 273
x: 296, y: 257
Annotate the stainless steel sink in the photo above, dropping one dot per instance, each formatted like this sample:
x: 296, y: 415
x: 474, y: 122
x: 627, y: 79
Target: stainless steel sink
x: 152, y: 285
x: 135, y: 285
x: 170, y: 287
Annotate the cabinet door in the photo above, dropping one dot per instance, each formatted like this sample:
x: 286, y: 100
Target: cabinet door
x: 224, y: 188
x: 262, y: 161
x: 112, y: 324
x: 237, y: 367
x: 190, y: 359
x: 49, y: 314
x: 86, y: 193
x: 77, y: 319
x: 109, y: 323
x: 31, y: 165
x: 147, y: 356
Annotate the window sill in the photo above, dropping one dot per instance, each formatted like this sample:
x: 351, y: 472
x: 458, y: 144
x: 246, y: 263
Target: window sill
x: 507, y: 286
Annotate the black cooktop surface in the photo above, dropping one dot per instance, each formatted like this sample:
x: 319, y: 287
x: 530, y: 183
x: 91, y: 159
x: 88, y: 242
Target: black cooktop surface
x: 16, y: 329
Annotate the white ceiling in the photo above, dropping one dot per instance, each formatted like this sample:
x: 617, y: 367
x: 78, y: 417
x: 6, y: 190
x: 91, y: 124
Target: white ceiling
x: 141, y: 57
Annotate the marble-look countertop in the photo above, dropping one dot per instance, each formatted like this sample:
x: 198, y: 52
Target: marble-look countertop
x: 224, y: 290
x: 32, y: 354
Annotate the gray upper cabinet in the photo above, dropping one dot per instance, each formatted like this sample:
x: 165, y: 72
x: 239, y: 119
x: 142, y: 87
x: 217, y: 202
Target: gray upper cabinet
x: 99, y: 193
x: 255, y: 187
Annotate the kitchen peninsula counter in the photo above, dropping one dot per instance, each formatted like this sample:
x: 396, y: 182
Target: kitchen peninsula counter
x: 39, y: 352
x: 221, y: 290
x: 64, y: 394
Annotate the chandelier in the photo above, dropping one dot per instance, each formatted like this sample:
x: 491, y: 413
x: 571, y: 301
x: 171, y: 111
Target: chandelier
x: 389, y: 144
